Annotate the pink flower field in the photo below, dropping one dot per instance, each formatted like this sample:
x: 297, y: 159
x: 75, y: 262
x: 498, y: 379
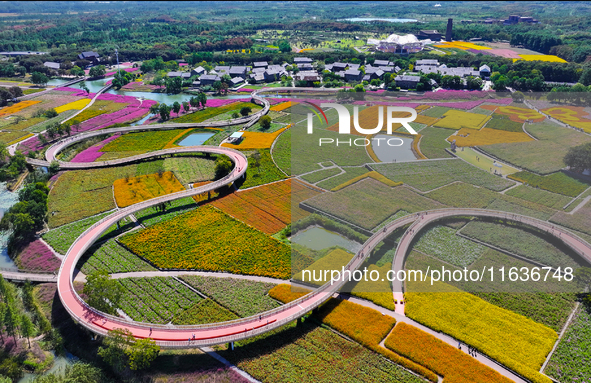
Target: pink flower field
x: 37, y: 257
x: 93, y: 153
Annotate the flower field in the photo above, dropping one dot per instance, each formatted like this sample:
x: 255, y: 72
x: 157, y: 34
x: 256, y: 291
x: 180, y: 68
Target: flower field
x: 566, y: 363
x: 156, y: 299
x: 282, y: 152
x: 241, y: 296
x: 9, y: 138
x: 37, y: 257
x: 256, y: 140
x: 350, y: 173
x: 557, y: 182
x: 267, y: 172
x: 142, y: 141
x: 428, y: 175
x: 362, y: 203
x: 283, y: 106
x: 502, y: 122
x: 515, y: 113
x: 94, y: 152
x: 151, y: 216
x: 440, y: 357
x: 543, y: 197
x: 208, y: 239
x: 553, y: 140
x: 213, y: 108
x: 62, y: 238
x: 486, y: 136
x: 334, y: 260
x: 519, y: 206
x: 268, y: 207
x: 463, y: 195
x: 206, y: 311
x: 137, y: 189
x: 456, y: 119
x: 308, y: 353
x: 78, y: 194
x: 547, y: 58
x: 113, y: 258
x: 443, y: 243
x: 372, y: 174
x: 73, y: 105
x: 573, y: 115
x: 191, y: 169
x: 378, y: 292
x: 320, y: 175
x: 514, y: 340
x: 460, y: 45
x: 433, y: 142
x: 435, y: 111
x: 285, y: 293
x: 580, y: 220
x: 17, y: 107
x: 519, y: 241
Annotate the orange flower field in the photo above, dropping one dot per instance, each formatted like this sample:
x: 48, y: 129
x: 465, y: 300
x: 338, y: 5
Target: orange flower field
x: 283, y: 106
x: 368, y: 327
x: 208, y: 239
x: 438, y: 356
x: 142, y: 188
x: 285, y: 293
x: 256, y: 140
x: 268, y: 207
x: 516, y: 114
x: 17, y: 107
x: 486, y: 136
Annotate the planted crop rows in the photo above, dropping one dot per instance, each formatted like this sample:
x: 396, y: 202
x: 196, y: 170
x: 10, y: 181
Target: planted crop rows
x: 240, y: 296
x: 208, y: 239
x: 113, y: 258
x: 130, y: 191
x: 443, y: 243
x: 155, y: 300
x: 191, y: 169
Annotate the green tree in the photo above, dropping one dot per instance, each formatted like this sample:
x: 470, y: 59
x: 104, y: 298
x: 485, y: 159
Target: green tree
x: 174, y: 85
x: 54, y: 167
x: 256, y: 160
x: 245, y: 111
x: 83, y: 86
x: 186, y: 106
x: 77, y: 71
x: 518, y: 96
x: 223, y: 166
x: 97, y: 71
x: 265, y: 122
x: 202, y: 98
x: 39, y: 78
x: 578, y: 158
x: 15, y: 91
x: 142, y: 353
x: 155, y: 109
x: 585, y: 78
x: 235, y: 115
x: 103, y: 293
x: 26, y: 328
x: 115, y: 344
x: 12, y: 319
x: 176, y: 107
x: 164, y: 111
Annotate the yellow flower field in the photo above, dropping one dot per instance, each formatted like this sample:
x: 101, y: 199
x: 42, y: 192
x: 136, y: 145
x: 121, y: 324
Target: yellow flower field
x: 548, y: 58
x: 486, y: 136
x: 572, y: 115
x: 73, y: 105
x: 512, y: 339
x: 256, y: 140
x: 456, y: 119
x: 460, y: 45
x: 515, y: 113
x: 332, y: 261
x: 142, y: 188
x: 17, y: 107
x: 283, y: 106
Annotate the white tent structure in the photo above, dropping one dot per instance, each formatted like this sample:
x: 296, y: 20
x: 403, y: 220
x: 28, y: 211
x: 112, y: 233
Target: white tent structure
x: 398, y: 44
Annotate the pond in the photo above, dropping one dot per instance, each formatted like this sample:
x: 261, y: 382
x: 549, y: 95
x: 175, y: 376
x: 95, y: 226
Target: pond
x: 394, y: 153
x: 7, y: 199
x: 59, y: 363
x: 196, y: 139
x: 318, y: 238
x: 143, y: 119
x: 354, y: 19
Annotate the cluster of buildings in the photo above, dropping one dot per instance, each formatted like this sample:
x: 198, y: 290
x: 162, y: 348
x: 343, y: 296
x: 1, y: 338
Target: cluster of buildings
x: 410, y: 81
x: 352, y: 73
x: 398, y: 44
x: 512, y: 20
